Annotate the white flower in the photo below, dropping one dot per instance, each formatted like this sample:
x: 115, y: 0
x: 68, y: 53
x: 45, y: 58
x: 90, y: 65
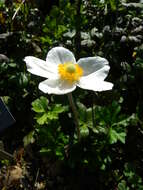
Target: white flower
x: 63, y: 73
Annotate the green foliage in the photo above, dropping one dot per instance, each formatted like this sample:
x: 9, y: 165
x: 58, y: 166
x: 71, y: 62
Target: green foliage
x: 134, y: 181
x: 40, y: 105
x: 47, y: 132
x: 113, y: 4
x: 115, y: 136
x: 5, y: 162
x: 46, y: 113
x: 108, y: 121
x: 58, y: 22
x: 122, y: 185
x: 111, y: 124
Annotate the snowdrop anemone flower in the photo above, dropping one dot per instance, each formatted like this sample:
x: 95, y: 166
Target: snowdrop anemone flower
x: 63, y: 73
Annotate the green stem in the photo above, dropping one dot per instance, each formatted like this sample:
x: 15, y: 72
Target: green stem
x: 75, y: 114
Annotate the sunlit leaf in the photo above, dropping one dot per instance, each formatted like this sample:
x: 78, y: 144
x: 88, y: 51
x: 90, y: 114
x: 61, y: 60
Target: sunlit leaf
x: 40, y: 105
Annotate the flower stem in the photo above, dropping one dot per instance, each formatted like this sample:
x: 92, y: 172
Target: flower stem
x: 75, y: 114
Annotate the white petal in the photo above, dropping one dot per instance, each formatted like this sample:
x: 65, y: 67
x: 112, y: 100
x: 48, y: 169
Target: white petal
x: 91, y: 82
x: 102, y: 73
x: 94, y: 64
x: 39, y: 67
x: 60, y: 55
x: 56, y: 86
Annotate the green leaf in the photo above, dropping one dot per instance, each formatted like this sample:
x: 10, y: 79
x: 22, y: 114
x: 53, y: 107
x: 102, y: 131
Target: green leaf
x: 55, y: 110
x: 29, y: 139
x: 121, y: 137
x: 52, y: 115
x: 45, y: 150
x: 23, y: 79
x: 125, y: 122
x: 84, y: 113
x: 59, y: 108
x: 40, y: 105
x: 41, y: 120
x: 59, y: 153
x: 46, y: 113
x: 122, y: 185
x: 113, y: 4
x: 12, y: 65
x: 114, y: 136
x: 84, y: 131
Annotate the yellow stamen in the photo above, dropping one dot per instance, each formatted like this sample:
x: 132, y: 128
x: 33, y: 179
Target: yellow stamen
x: 70, y: 72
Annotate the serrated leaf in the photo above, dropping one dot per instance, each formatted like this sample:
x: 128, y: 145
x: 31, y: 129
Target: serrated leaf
x: 114, y: 136
x: 55, y: 110
x: 125, y: 122
x: 59, y: 108
x: 40, y: 105
x: 41, y: 120
x: 52, y: 116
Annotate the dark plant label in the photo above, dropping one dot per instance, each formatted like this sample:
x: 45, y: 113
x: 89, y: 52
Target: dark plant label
x: 6, y: 118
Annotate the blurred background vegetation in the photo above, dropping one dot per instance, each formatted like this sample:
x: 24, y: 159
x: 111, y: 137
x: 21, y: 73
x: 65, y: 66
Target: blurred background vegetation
x: 47, y: 153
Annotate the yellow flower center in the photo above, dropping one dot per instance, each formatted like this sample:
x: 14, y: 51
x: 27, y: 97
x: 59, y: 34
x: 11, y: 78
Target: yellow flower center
x: 70, y: 72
